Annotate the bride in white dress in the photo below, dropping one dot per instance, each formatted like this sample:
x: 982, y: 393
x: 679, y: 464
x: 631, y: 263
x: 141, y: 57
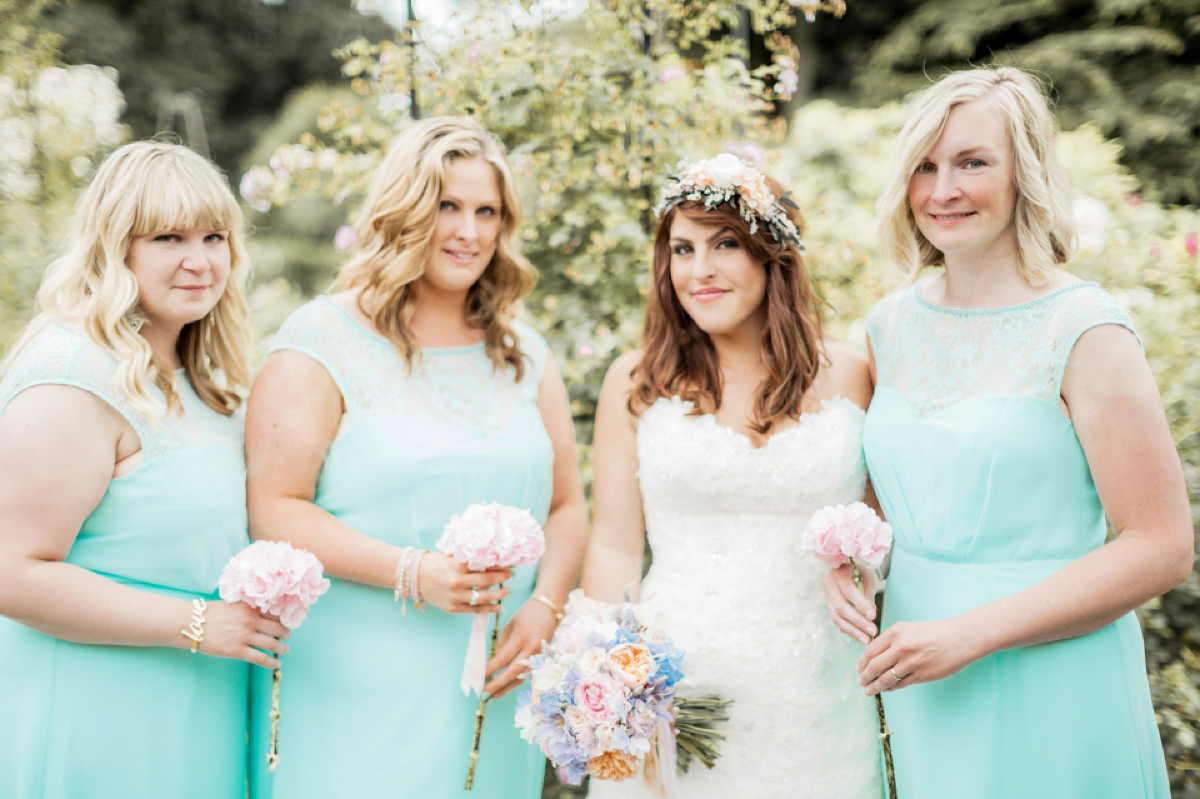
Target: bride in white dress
x: 719, y: 438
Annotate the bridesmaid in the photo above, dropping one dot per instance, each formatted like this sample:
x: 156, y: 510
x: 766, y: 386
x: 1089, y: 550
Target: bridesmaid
x: 122, y: 497
x: 382, y: 411
x: 1013, y: 412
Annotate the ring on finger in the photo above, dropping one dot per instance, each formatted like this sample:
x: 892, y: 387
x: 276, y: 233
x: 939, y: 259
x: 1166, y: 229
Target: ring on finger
x: 474, y: 597
x: 894, y: 674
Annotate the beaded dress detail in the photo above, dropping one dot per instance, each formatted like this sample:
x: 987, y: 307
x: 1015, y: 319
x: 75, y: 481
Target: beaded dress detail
x: 84, y: 721
x: 988, y: 491
x: 731, y: 586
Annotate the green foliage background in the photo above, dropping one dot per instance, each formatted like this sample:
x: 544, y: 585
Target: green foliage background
x: 594, y: 110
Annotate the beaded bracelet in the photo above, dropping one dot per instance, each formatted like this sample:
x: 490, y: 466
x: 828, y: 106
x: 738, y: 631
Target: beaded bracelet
x: 195, y: 630
x: 407, y: 578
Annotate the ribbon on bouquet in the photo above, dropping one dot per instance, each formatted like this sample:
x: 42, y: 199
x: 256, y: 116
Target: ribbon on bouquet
x: 475, y: 665
x: 659, y: 771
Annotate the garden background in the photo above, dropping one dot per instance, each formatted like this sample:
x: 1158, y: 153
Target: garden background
x: 595, y: 101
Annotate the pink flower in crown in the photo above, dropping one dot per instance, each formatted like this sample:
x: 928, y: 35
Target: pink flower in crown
x: 275, y: 578
x: 491, y: 535
x: 838, y: 534
x: 756, y: 193
x: 601, y: 698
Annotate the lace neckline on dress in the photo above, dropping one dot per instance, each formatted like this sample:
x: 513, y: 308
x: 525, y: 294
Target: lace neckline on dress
x: 366, y: 331
x: 1021, y: 306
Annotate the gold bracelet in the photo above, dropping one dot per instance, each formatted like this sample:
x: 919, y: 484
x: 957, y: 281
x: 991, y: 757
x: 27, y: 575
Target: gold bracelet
x: 558, y: 616
x: 195, y: 630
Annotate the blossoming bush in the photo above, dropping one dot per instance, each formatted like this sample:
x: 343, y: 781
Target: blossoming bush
x: 56, y: 124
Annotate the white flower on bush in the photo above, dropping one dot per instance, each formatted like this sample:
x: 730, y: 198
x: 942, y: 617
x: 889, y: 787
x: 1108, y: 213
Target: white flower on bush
x: 1091, y: 219
x: 257, y: 187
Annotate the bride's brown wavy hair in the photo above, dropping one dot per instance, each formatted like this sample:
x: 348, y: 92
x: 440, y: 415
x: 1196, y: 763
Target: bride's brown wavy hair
x: 679, y: 359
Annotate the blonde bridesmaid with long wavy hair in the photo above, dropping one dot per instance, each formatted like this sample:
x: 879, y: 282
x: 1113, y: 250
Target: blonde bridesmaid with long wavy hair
x: 382, y: 411
x: 122, y: 497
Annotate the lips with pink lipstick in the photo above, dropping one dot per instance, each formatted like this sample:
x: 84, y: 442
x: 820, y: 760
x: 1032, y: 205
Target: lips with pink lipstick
x: 709, y: 294
x: 951, y: 219
x: 460, y: 256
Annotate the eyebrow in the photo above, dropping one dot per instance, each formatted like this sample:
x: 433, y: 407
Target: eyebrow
x: 709, y: 240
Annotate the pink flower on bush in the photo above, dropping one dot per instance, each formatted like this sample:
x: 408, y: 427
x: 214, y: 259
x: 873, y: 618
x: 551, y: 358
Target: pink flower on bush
x: 344, y: 238
x: 1190, y: 244
x: 838, y: 534
x: 600, y: 697
x: 275, y: 578
x: 493, y: 535
x: 671, y: 73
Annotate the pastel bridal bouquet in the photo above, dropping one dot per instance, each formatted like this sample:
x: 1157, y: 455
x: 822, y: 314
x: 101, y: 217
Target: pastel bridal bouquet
x: 601, y: 699
x: 277, y: 579
x: 488, y: 536
x: 854, y: 534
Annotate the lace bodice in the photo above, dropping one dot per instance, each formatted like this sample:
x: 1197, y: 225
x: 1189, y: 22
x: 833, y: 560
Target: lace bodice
x: 455, y: 384
x: 61, y: 355
x: 730, y: 584
x: 935, y: 357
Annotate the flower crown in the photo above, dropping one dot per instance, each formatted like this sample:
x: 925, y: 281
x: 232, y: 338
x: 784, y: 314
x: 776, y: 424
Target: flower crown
x: 725, y: 179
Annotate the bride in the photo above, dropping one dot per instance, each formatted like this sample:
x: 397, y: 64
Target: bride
x: 719, y: 438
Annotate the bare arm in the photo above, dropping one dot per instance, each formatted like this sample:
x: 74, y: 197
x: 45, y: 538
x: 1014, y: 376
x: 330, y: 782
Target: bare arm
x: 851, y: 609
x: 292, y: 417
x: 614, y: 557
x: 1118, y: 417
x: 58, y: 450
x: 566, y: 538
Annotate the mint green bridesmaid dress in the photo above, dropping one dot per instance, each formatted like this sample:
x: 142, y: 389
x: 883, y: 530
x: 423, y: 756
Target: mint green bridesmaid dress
x: 371, y: 705
x: 80, y: 721
x: 988, y: 491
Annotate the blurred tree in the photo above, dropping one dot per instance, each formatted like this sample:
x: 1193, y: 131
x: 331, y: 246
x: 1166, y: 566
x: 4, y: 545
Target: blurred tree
x: 47, y: 148
x: 235, y: 61
x: 1130, y: 66
x: 593, y: 109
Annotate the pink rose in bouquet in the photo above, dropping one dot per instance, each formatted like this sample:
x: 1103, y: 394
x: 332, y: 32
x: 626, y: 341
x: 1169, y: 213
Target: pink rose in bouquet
x: 488, y: 536
x: 493, y: 535
x: 275, y: 578
x: 842, y: 533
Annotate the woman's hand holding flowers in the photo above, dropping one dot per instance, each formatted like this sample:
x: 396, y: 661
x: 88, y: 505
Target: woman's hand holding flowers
x: 522, y: 638
x: 919, y: 651
x: 447, y: 583
x: 852, y: 611
x: 241, y: 632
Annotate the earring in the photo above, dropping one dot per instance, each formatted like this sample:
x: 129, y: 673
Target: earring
x: 135, y: 319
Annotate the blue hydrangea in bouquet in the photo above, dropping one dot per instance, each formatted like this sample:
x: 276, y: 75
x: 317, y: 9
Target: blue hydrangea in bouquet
x: 601, y: 695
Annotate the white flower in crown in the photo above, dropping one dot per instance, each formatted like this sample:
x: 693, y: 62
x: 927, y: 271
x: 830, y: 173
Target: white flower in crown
x: 726, y: 179
x: 726, y: 171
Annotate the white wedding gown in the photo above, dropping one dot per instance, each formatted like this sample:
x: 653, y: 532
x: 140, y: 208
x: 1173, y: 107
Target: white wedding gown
x: 732, y: 588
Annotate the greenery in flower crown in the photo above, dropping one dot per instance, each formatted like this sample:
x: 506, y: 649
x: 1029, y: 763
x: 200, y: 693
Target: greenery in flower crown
x: 725, y: 179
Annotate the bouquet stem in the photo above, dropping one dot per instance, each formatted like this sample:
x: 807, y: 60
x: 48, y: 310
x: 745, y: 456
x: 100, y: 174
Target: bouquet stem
x: 273, y: 753
x: 885, y: 735
x: 481, y: 711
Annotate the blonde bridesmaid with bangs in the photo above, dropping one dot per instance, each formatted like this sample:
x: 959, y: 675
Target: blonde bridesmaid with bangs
x: 382, y: 411
x: 122, y: 497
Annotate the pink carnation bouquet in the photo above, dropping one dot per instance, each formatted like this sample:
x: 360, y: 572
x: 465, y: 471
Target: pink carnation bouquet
x: 854, y: 534
x: 488, y: 536
x: 278, y: 580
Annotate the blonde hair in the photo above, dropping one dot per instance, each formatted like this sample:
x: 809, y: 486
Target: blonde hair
x: 397, y: 224
x: 140, y: 189
x: 1044, y: 223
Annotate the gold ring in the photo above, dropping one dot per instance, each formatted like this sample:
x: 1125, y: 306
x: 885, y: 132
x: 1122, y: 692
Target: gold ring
x: 474, y: 597
x: 894, y: 674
